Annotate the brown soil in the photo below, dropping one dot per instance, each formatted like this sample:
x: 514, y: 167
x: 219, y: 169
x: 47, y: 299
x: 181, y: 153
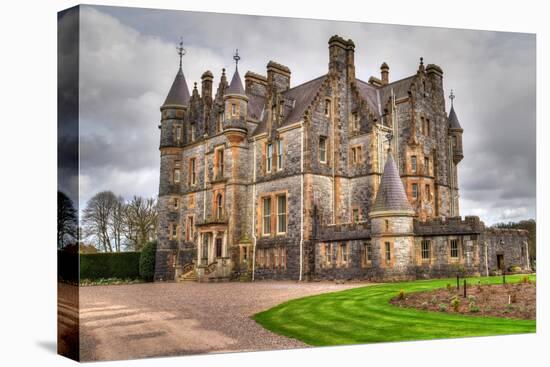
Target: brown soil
x: 509, y: 300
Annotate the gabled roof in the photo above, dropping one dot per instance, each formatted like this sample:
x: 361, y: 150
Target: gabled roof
x: 371, y: 95
x: 298, y: 100
x: 236, y: 86
x: 453, y: 119
x: 179, y: 93
x: 391, y: 194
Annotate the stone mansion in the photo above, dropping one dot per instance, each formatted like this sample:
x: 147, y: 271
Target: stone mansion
x: 335, y: 178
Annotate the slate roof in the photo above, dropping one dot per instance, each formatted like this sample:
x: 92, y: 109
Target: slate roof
x: 236, y: 85
x: 298, y: 100
x: 371, y: 94
x: 179, y: 93
x: 400, y: 89
x: 391, y: 193
x: 453, y: 119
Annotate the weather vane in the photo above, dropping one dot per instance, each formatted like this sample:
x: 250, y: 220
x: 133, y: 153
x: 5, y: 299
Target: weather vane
x: 181, y: 50
x: 451, y: 97
x: 236, y: 57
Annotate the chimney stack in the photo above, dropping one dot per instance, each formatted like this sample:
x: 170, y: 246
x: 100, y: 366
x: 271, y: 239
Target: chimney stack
x: 385, y: 73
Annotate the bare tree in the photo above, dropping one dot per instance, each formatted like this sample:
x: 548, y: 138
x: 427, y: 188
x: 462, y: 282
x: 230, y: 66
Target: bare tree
x: 140, y: 221
x: 67, y: 221
x: 116, y: 223
x: 97, y: 218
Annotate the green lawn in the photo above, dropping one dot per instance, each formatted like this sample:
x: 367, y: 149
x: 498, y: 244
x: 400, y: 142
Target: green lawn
x: 364, y: 315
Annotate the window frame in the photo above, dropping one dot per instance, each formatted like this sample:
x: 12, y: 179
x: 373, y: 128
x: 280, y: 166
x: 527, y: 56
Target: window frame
x: 387, y: 252
x: 414, y: 190
x: 284, y: 214
x: 322, y: 149
x: 368, y: 252
x: 192, y: 171
x: 219, y: 206
x: 269, y: 157
x: 279, y: 145
x: 425, y: 250
x: 454, y: 250
x: 414, y: 164
x: 266, y: 216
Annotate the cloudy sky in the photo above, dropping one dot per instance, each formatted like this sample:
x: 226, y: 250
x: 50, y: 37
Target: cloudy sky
x: 128, y: 61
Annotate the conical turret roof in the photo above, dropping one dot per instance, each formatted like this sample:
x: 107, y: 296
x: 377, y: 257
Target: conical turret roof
x: 391, y: 194
x: 179, y: 93
x: 236, y: 86
x: 453, y: 119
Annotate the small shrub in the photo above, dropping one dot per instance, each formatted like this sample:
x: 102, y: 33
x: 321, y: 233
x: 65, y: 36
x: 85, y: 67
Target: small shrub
x: 471, y: 298
x: 455, y: 303
x: 424, y: 305
x: 449, y: 287
x: 147, y: 261
x: 442, y: 307
x: 473, y: 307
x: 509, y: 308
x: 434, y: 300
x: 525, y: 279
x: 515, y: 269
x: 401, y: 295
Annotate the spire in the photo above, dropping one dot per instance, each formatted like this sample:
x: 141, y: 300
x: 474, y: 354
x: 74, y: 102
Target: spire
x: 236, y: 85
x: 179, y: 92
x: 421, y: 66
x: 391, y: 194
x: 453, y: 119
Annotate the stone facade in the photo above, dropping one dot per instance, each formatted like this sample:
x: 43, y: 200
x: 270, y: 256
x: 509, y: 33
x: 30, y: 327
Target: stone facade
x: 268, y: 181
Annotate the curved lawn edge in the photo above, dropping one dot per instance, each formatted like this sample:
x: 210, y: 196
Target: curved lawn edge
x: 365, y: 315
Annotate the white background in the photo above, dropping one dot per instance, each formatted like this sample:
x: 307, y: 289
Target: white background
x: 28, y: 182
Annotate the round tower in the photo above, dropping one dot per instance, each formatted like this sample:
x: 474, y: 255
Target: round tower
x: 392, y: 223
x: 173, y: 114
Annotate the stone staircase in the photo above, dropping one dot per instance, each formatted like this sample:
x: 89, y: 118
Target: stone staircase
x: 190, y: 276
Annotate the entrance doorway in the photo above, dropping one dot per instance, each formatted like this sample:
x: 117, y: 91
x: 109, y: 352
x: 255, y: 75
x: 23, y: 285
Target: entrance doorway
x: 219, y: 247
x: 500, y: 262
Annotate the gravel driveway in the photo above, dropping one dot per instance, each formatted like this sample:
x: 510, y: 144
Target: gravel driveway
x: 162, y: 319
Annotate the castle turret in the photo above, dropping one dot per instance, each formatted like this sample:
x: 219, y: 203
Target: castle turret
x: 392, y: 221
x: 455, y: 151
x: 236, y: 102
x: 173, y: 109
x: 455, y: 132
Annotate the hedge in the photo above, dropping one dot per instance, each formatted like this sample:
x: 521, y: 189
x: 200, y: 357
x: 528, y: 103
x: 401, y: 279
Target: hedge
x: 109, y: 265
x: 147, y: 261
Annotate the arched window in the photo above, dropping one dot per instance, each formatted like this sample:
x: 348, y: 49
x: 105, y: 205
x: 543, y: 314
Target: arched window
x: 219, y: 206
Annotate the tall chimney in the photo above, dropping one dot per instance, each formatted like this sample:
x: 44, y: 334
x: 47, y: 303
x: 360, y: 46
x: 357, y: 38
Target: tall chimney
x: 385, y: 73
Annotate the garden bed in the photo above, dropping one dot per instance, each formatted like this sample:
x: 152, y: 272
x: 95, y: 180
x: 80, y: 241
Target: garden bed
x: 516, y: 301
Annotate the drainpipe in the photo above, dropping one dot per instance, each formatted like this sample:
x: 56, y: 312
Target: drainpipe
x: 302, y: 202
x: 204, y: 183
x: 252, y: 227
x: 486, y: 259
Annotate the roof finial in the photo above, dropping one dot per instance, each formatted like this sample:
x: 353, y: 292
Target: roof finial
x: 451, y: 97
x: 236, y: 57
x: 389, y: 136
x: 181, y: 50
x: 421, y: 60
